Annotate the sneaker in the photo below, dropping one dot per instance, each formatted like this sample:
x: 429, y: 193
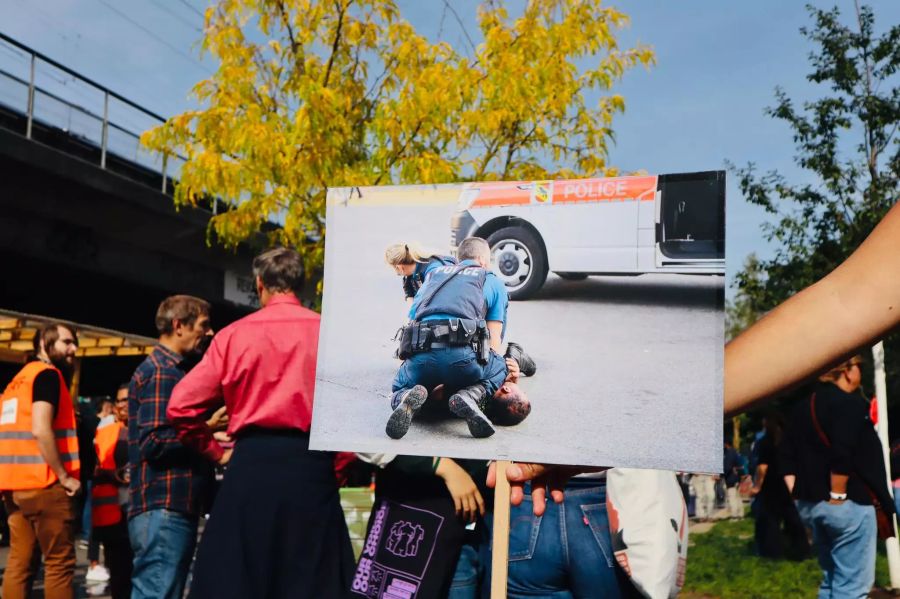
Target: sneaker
x: 410, y: 402
x: 97, y: 574
x: 464, y: 403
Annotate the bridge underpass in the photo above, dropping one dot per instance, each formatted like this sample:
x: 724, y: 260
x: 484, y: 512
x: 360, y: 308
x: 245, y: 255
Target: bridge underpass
x: 88, y: 231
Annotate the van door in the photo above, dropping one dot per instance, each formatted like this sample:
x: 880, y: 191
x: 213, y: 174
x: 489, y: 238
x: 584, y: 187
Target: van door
x: 690, y: 222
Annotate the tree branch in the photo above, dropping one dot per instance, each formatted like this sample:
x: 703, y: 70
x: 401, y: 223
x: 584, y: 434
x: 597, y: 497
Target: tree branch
x: 336, y: 42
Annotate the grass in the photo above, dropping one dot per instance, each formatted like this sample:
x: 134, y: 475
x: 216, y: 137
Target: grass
x: 721, y: 564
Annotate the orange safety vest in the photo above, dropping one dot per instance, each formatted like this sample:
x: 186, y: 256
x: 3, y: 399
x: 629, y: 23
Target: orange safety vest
x: 105, y: 510
x: 22, y: 466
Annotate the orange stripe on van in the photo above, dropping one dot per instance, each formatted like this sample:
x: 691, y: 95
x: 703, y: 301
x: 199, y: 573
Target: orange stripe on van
x: 566, y: 191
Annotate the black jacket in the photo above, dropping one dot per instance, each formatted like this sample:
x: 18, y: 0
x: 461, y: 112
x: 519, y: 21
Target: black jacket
x: 855, y: 449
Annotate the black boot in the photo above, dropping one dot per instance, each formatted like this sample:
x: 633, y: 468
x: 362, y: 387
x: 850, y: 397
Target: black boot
x: 526, y: 363
x: 410, y: 402
x: 464, y: 403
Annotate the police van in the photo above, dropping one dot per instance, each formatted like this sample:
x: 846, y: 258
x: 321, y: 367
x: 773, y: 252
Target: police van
x: 610, y: 226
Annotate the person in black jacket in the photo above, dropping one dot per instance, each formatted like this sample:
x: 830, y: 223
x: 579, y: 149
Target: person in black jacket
x: 773, y: 508
x: 833, y: 464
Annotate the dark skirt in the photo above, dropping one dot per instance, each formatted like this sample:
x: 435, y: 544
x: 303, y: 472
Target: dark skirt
x: 276, y: 528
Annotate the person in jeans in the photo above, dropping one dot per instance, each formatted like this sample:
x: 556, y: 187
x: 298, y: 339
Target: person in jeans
x: 169, y: 484
x: 566, y: 552
x: 832, y: 463
x: 39, y: 467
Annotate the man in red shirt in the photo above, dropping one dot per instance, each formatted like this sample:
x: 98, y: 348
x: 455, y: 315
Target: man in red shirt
x: 276, y: 528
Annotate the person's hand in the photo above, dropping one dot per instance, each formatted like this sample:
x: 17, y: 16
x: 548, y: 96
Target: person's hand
x: 466, y: 498
x: 513, y: 371
x: 542, y: 477
x: 123, y: 475
x: 219, y: 420
x: 222, y: 437
x: 754, y: 491
x: 226, y: 457
x: 71, y: 485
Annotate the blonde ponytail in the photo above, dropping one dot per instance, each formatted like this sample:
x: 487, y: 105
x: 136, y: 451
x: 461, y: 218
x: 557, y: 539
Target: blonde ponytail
x: 407, y: 253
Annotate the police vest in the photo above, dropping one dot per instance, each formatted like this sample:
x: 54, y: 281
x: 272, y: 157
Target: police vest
x: 421, y: 267
x: 21, y: 464
x: 460, y: 297
x: 105, y: 510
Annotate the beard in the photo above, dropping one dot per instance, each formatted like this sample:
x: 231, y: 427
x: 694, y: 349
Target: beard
x: 60, y: 362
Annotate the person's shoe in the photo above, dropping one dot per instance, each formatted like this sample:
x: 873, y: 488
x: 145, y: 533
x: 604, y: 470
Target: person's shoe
x: 410, y: 402
x: 97, y: 574
x: 526, y: 363
x: 464, y: 403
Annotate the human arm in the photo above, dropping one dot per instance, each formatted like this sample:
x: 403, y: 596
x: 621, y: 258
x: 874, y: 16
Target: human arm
x: 838, y: 486
x: 195, y: 395
x: 859, y: 302
x: 761, y: 471
x: 495, y: 327
x: 512, y: 371
x: 497, y: 301
x: 466, y: 498
x: 42, y: 429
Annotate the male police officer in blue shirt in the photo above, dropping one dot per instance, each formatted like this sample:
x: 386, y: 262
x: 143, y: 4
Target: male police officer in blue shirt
x: 449, y: 306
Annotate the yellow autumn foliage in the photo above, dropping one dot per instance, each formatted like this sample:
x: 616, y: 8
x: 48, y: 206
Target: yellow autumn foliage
x: 314, y: 93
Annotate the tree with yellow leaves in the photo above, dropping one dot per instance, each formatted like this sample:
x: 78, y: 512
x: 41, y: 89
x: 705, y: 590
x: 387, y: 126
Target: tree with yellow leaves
x: 316, y: 93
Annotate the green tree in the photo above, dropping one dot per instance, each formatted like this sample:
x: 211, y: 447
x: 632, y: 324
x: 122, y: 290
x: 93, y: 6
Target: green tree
x: 847, y: 143
x: 744, y: 310
x: 317, y: 93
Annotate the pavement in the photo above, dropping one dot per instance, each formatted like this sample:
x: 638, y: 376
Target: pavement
x: 628, y: 368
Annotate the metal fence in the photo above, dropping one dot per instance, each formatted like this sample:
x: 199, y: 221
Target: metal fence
x: 87, y: 120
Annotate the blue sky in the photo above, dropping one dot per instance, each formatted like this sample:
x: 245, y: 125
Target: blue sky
x: 702, y: 104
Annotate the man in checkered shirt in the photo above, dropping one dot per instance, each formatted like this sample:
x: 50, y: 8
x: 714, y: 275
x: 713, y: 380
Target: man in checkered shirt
x: 170, y: 484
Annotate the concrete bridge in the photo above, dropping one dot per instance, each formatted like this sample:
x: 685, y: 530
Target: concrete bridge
x: 88, y: 231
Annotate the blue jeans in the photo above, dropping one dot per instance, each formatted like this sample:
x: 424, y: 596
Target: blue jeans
x: 454, y: 367
x: 845, y: 537
x: 468, y: 575
x: 567, y: 552
x: 163, y: 543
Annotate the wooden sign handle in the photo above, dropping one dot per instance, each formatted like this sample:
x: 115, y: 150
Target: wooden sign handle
x: 500, y: 545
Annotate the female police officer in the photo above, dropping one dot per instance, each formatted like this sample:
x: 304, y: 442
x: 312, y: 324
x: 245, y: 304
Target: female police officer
x: 411, y: 262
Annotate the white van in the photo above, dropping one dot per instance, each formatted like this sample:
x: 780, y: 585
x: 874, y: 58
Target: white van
x: 611, y: 226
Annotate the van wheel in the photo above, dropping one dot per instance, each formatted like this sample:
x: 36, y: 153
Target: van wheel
x: 572, y: 276
x: 518, y: 260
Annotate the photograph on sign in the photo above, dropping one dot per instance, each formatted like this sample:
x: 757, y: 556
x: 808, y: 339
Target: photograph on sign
x: 567, y: 321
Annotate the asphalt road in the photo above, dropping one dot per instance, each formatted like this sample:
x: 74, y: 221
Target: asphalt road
x: 629, y: 368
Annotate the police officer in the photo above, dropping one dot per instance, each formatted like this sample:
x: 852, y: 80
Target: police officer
x: 451, y: 301
x: 413, y: 263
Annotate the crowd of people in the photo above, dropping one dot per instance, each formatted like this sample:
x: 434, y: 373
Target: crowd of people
x: 275, y: 526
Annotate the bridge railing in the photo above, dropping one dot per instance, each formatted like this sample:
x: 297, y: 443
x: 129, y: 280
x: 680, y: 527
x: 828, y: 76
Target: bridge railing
x: 98, y: 125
